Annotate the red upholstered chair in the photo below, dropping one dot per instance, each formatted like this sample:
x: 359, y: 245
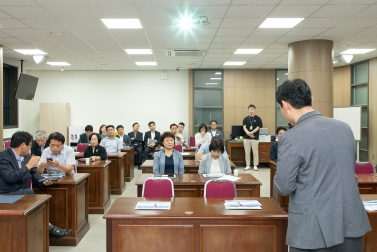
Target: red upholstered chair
x: 178, y: 147
x: 192, y: 141
x: 220, y: 189
x: 158, y: 187
x: 82, y: 147
x: 7, y: 144
x: 364, y: 167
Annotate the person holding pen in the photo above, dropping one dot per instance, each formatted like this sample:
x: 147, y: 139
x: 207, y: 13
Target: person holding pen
x: 216, y: 162
x: 168, y: 160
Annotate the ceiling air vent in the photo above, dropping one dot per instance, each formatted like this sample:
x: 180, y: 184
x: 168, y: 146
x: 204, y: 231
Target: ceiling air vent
x: 185, y: 53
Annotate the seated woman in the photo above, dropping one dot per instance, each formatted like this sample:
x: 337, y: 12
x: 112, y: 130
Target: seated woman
x: 102, y: 131
x: 215, y: 162
x: 203, y: 136
x: 95, y: 151
x: 168, y: 160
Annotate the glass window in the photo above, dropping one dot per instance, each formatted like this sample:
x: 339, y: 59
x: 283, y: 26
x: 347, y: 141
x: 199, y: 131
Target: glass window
x: 207, y: 115
x: 281, y: 76
x: 360, y: 95
x: 205, y: 97
x: 364, y: 117
x: 361, y: 73
x: 208, y: 78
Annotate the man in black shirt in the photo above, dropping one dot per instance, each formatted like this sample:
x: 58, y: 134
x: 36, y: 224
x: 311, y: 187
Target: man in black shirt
x: 251, y: 125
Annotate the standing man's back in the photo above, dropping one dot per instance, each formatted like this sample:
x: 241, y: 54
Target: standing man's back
x: 316, y: 161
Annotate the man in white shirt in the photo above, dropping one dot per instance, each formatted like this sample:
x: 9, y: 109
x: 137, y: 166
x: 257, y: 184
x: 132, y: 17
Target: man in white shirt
x: 174, y: 130
x: 111, y: 143
x: 181, y: 127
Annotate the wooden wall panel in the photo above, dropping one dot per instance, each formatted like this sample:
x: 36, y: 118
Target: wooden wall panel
x: 244, y: 87
x: 372, y: 137
x: 342, y: 86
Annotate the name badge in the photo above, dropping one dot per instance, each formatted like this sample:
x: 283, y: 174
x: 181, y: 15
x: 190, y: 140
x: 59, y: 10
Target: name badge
x: 251, y: 127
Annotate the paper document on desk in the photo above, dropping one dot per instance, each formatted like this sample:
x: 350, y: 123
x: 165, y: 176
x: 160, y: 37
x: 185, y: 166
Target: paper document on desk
x: 242, y: 204
x: 229, y: 177
x: 150, y: 205
x: 370, y: 205
x: 213, y: 175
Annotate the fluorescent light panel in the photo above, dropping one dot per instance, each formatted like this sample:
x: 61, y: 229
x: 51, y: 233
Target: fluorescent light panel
x: 30, y: 51
x: 280, y: 22
x: 146, y: 63
x: 248, y: 51
x: 215, y: 78
x: 234, y: 63
x: 138, y: 51
x: 218, y: 73
x: 122, y: 23
x: 357, y: 51
x: 211, y: 83
x: 58, y: 63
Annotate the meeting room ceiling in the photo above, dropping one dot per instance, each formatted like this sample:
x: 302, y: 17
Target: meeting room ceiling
x: 233, y: 24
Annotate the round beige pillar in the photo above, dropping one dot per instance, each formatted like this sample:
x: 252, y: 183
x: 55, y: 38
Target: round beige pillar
x: 312, y: 61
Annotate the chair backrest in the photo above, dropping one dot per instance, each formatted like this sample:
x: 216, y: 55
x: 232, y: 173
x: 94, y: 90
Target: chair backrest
x: 7, y: 144
x: 220, y: 189
x: 158, y: 187
x: 364, y: 168
x: 178, y: 147
x: 81, y: 147
x: 192, y: 141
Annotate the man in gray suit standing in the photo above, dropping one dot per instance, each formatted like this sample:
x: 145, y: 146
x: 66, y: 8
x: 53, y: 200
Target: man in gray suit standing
x: 316, y: 162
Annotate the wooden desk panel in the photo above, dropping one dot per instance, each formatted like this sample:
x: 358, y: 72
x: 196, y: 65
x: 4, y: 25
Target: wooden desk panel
x: 210, y: 228
x: 99, y: 185
x: 192, y: 185
x: 24, y: 224
x: 69, y: 207
x: 190, y: 166
x: 367, y: 183
x: 116, y: 172
x: 236, y: 152
x: 283, y: 201
x: 129, y: 164
x: 370, y: 241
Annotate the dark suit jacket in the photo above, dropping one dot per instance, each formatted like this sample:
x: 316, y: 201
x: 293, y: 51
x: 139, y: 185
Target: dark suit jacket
x: 126, y: 140
x: 274, y: 152
x: 98, y: 151
x: 83, y: 138
x: 148, y: 135
x: 36, y: 149
x: 138, y: 139
x: 11, y: 177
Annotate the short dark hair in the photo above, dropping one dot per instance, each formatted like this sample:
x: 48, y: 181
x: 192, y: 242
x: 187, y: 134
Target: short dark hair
x: 110, y: 126
x: 182, y: 123
x: 173, y: 124
x: 98, y: 137
x: 201, y: 126
x: 165, y: 135
x: 280, y: 128
x: 134, y: 124
x: 290, y: 126
x: 100, y: 127
x: 151, y: 122
x: 296, y: 92
x: 216, y: 144
x: 120, y: 126
x: 89, y: 128
x: 56, y: 136
x: 213, y: 121
x: 251, y: 106
x: 19, y: 138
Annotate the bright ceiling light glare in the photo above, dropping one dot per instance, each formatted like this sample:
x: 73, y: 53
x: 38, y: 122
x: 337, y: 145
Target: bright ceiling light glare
x: 122, y: 23
x: 218, y: 73
x: 280, y: 22
x: 215, y: 78
x: 234, y: 63
x: 146, y: 63
x: 211, y: 83
x: 30, y: 51
x: 357, y: 51
x: 40, y: 59
x: 248, y: 51
x: 58, y: 63
x: 138, y: 51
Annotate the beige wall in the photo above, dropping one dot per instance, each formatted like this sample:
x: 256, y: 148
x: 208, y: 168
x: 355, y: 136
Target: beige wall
x: 342, y: 86
x: 372, y: 136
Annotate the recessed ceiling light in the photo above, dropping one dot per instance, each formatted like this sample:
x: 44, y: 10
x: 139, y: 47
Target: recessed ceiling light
x: 286, y: 74
x: 215, y: 78
x: 122, y: 23
x: 190, y: 63
x: 280, y: 22
x: 334, y: 62
x: 234, y: 63
x: 212, y: 83
x: 102, y: 63
x: 58, y: 63
x: 218, y: 73
x: 58, y: 33
x: 248, y: 51
x: 30, y: 51
x: 138, y: 51
x: 146, y: 63
x: 357, y: 51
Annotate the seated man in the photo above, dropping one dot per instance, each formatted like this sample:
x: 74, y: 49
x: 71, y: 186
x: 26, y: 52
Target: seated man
x: 274, y: 148
x: 178, y: 138
x: 111, y: 143
x: 204, y: 150
x: 148, y: 145
x: 181, y: 127
x: 126, y: 140
x: 58, y: 158
x: 137, y: 142
x: 39, y: 144
x: 214, y: 131
x: 84, y: 137
x: 17, y: 167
